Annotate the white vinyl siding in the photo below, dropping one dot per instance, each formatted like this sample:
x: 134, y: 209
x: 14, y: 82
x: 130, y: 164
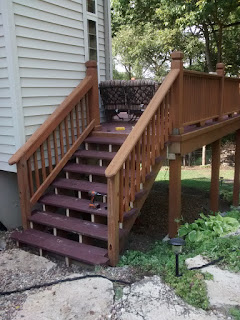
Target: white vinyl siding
x: 7, y: 132
x: 51, y: 55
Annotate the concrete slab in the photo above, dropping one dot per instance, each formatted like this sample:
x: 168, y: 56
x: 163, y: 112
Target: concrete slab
x: 88, y: 299
x: 224, y: 289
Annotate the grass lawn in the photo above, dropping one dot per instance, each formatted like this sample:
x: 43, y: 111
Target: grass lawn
x: 199, y: 177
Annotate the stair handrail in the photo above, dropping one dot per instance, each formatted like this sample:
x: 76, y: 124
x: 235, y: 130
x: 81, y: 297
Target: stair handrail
x: 53, y: 144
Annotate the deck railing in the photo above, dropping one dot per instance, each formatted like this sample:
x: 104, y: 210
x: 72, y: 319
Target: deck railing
x: 47, y: 151
x: 134, y: 161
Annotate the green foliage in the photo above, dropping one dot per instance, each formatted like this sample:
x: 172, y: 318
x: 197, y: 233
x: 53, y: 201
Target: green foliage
x: 234, y: 213
x: 235, y: 312
x: 208, y: 227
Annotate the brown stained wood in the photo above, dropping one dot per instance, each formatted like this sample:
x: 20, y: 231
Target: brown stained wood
x: 72, y: 127
x: 82, y: 114
x: 138, y: 177
x: 162, y: 125
x: 113, y: 220
x: 215, y: 167
x: 49, y: 154
x: 86, y: 104
x: 148, y: 164
x: 133, y: 174
x: 53, y: 121
x: 166, y: 134
x: 77, y: 119
x: 66, y: 133
x: 174, y: 209
x: 153, y: 141
x: 24, y: 191
x: 61, y: 139
x: 177, y: 64
x: 37, y: 179
x: 158, y: 138
x: 93, y: 96
x: 55, y: 147
x: 126, y: 185
x: 170, y: 111
x: 44, y: 175
x: 30, y: 178
x: 121, y: 207
x: 143, y: 171
x: 236, y: 185
x: 141, y: 125
x: 61, y: 164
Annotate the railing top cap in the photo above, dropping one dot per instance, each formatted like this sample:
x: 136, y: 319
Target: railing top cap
x: 177, y: 55
x: 91, y: 64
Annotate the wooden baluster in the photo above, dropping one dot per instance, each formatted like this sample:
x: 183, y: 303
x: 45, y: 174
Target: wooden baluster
x: 133, y: 174
x: 138, y: 155
x: 121, y: 196
x: 126, y: 185
x: 162, y: 125
x: 55, y: 147
x: 44, y: 175
x: 166, y: 119
x: 66, y: 132
x: 143, y: 176
x: 170, y: 112
x: 153, y: 123
x: 72, y: 127
x: 113, y: 219
x: 158, y: 138
x: 49, y: 154
x: 77, y: 119
x: 37, y: 179
x: 220, y: 71
x: 148, y: 150
x: 30, y: 178
x: 86, y: 99
x: 61, y: 139
x: 82, y: 114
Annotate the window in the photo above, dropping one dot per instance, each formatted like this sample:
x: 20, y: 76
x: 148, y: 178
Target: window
x: 91, y: 6
x: 92, y: 40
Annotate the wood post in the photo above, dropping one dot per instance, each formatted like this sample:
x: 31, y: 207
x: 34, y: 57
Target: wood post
x: 221, y: 71
x: 113, y: 219
x: 174, y: 209
x: 214, y: 190
x: 24, y: 191
x: 236, y: 185
x: 93, y: 98
x: 177, y: 103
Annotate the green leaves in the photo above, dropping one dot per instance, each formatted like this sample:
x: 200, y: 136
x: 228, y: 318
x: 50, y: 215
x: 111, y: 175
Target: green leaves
x: 208, y: 227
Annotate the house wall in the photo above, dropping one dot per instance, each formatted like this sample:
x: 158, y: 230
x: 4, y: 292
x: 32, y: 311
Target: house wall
x: 43, y: 50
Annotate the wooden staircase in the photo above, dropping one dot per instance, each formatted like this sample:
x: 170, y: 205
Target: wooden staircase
x: 66, y: 225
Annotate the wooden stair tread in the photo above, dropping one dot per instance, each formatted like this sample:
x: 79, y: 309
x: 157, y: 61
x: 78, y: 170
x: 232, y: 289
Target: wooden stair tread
x: 80, y: 185
x: 105, y: 140
x: 84, y: 168
x: 65, y: 247
x: 72, y: 203
x: 83, y: 227
x: 104, y: 155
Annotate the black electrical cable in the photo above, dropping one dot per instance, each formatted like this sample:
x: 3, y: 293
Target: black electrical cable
x: 207, y: 264
x: 44, y: 285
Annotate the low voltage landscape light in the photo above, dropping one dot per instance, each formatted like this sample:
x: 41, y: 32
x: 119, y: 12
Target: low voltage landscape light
x: 221, y: 180
x: 177, y: 244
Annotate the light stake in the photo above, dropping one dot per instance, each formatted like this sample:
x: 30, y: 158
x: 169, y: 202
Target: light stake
x: 177, y: 244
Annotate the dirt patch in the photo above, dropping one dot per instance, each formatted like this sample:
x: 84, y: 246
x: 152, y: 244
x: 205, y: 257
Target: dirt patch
x: 152, y: 224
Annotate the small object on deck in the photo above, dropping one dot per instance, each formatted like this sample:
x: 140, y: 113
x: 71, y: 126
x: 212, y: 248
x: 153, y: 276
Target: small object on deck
x: 119, y: 128
x: 92, y: 204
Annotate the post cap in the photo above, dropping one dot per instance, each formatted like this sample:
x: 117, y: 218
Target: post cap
x: 177, y: 55
x: 220, y: 65
x: 91, y: 64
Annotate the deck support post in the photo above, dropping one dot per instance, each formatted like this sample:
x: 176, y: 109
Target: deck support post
x: 236, y: 185
x: 174, y: 209
x: 113, y: 219
x: 24, y: 191
x: 177, y: 103
x: 93, y: 97
x: 214, y: 190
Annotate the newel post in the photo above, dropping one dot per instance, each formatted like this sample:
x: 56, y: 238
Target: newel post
x: 24, y: 192
x: 177, y: 103
x: 113, y: 219
x: 93, y: 98
x: 221, y: 72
